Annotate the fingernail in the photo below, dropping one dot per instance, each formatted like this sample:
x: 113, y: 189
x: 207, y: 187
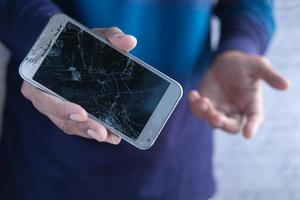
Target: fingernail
x: 253, y: 132
x: 118, y: 35
x: 94, y: 135
x: 115, y: 140
x: 76, y: 117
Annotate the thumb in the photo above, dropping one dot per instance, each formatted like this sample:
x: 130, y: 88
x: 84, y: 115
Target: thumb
x: 119, y: 39
x: 271, y: 76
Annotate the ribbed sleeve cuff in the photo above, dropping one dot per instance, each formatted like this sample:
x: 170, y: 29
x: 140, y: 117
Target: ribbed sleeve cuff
x: 244, y: 35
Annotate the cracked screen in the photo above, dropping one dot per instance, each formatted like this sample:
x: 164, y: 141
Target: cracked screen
x: 110, y: 86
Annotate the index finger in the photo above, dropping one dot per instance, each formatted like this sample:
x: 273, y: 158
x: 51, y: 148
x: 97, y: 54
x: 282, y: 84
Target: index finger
x: 254, y: 115
x: 252, y: 124
x: 51, y: 105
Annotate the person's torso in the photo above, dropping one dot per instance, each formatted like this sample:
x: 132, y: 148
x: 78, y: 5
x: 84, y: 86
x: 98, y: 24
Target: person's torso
x: 38, y: 161
x: 173, y: 35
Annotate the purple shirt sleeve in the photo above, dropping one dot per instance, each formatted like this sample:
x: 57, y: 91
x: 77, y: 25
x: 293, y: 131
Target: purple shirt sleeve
x: 246, y: 25
x: 21, y: 21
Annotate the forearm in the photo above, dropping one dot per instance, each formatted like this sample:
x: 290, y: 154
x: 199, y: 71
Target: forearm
x: 21, y: 21
x: 246, y: 25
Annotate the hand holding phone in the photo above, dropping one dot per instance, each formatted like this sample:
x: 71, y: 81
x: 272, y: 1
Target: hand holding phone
x: 71, y: 117
x: 95, y: 71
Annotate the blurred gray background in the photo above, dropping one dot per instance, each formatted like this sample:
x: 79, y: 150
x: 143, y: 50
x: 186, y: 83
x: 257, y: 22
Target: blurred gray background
x: 267, y: 167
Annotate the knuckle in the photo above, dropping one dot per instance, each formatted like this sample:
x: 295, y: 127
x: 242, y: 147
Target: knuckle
x: 37, y: 105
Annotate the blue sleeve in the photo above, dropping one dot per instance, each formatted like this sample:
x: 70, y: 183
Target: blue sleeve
x: 246, y: 25
x: 21, y: 21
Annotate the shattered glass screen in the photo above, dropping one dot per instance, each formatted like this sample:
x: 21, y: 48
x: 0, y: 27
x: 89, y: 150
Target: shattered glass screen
x: 107, y: 84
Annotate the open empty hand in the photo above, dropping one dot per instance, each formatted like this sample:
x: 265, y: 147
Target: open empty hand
x: 230, y: 97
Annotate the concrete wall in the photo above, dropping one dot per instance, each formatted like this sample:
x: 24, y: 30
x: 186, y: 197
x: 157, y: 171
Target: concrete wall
x: 268, y: 167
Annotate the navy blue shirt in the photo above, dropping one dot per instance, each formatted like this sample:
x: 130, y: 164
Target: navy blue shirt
x: 39, y: 161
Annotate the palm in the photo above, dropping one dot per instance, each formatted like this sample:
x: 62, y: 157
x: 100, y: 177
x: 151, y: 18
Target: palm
x: 232, y: 94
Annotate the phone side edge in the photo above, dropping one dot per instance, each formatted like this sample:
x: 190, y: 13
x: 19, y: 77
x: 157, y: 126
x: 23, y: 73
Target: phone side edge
x: 174, y: 84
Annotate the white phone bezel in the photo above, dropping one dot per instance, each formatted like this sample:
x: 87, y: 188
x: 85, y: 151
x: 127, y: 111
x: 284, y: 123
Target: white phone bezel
x: 159, y: 117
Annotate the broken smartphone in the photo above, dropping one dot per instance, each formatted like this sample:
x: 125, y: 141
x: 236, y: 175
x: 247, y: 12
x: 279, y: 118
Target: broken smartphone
x: 126, y: 95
